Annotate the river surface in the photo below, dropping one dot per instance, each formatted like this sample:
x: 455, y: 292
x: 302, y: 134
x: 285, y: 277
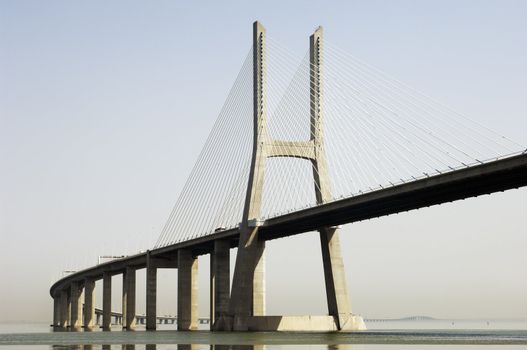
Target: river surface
x: 385, y: 335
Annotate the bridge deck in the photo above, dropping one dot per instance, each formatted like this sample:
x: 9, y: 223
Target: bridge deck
x: 495, y: 176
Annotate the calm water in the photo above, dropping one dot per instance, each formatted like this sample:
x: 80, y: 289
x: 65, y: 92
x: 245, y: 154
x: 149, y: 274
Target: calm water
x: 427, y: 335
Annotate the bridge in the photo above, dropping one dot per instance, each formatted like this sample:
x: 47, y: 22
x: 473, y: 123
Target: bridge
x: 140, y: 319
x: 397, y: 153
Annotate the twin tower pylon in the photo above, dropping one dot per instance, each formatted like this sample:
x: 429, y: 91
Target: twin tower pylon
x: 246, y: 308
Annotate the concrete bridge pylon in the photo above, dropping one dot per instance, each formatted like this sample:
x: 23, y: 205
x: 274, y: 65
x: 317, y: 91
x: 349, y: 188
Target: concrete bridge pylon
x: 247, y: 302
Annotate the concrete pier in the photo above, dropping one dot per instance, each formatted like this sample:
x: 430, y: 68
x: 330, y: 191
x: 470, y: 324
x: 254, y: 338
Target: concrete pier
x: 219, y: 281
x: 76, y: 306
x: 106, y: 301
x: 56, y: 311
x: 187, y: 304
x: 89, y: 304
x: 64, y: 309
x: 335, y: 279
x: 151, y: 293
x: 129, y: 299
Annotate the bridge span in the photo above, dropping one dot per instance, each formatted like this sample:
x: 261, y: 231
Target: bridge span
x: 239, y: 305
x: 499, y: 175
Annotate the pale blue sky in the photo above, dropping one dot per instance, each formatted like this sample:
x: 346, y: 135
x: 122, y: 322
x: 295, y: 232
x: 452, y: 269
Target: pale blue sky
x: 97, y: 97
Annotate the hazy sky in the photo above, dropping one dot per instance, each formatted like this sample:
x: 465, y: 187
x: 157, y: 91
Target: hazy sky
x: 98, y: 98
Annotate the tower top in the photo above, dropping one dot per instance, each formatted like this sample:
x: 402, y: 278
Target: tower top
x: 258, y: 27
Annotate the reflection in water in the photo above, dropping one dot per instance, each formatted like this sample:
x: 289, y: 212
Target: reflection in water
x: 264, y: 347
x: 194, y: 347
x: 59, y: 329
x: 237, y: 347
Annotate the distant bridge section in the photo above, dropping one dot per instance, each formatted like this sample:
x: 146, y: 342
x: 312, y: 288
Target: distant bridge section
x: 141, y: 319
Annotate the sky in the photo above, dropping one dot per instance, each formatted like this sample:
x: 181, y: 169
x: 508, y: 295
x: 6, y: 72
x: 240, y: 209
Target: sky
x: 104, y: 108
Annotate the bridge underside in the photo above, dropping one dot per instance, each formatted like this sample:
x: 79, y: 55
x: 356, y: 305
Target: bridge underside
x: 497, y: 176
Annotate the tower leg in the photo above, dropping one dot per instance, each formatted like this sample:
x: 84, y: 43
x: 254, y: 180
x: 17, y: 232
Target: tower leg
x: 335, y: 278
x: 248, y: 287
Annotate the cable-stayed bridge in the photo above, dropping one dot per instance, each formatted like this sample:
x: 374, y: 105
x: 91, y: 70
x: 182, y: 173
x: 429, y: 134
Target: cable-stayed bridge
x: 300, y: 145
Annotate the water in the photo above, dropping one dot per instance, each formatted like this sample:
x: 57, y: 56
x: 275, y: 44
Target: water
x: 386, y: 335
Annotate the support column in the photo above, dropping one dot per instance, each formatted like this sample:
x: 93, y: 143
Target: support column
x: 89, y: 304
x: 129, y: 299
x: 106, y: 301
x: 56, y: 310
x: 64, y: 309
x: 151, y: 292
x: 76, y: 306
x: 335, y: 278
x: 219, y: 281
x: 187, y: 305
